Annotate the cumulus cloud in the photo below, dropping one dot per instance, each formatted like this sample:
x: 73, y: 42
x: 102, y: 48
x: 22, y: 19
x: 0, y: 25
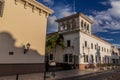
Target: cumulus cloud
x: 108, y: 19
x: 60, y: 11
x: 52, y: 25
x: 103, y: 20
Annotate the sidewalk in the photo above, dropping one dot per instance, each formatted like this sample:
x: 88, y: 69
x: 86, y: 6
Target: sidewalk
x: 69, y: 73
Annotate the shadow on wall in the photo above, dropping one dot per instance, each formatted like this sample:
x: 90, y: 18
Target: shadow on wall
x: 13, y: 60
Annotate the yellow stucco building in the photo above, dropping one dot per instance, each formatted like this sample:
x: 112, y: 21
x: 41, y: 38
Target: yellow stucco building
x: 22, y: 36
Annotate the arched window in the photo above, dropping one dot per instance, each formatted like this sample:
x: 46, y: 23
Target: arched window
x: 92, y: 59
x: 88, y: 27
x: 1, y: 7
x: 68, y: 25
x: 62, y: 27
x: 82, y: 24
x: 73, y: 23
x: 85, y: 25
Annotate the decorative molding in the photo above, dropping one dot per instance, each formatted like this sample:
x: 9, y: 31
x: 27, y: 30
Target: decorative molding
x: 35, y: 5
x: 40, y: 11
x: 26, y: 3
x: 39, y: 5
x: 16, y: 2
x: 2, y: 7
x: 33, y: 8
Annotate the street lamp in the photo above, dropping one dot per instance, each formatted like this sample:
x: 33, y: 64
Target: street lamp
x: 46, y: 65
x: 53, y: 64
x: 26, y: 48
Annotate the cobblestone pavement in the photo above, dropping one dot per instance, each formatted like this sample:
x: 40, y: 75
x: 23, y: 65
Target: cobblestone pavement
x: 114, y: 75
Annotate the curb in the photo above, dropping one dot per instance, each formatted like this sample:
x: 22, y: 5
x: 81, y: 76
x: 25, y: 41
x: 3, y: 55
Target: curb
x: 88, y: 75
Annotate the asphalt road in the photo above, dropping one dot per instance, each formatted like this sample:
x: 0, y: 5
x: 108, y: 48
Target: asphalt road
x: 99, y: 76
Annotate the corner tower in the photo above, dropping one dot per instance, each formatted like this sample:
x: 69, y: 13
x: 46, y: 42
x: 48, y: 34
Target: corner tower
x: 75, y: 22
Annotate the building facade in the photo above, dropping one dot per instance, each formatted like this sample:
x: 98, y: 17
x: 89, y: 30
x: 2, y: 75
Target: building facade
x: 22, y: 36
x: 82, y: 48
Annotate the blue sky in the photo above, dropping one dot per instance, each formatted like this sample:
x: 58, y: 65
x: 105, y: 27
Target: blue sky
x: 104, y: 13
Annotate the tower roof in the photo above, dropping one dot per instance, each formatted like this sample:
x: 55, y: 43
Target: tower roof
x: 75, y: 15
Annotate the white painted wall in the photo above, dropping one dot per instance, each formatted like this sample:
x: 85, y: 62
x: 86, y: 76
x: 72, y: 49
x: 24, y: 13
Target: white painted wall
x: 90, y: 39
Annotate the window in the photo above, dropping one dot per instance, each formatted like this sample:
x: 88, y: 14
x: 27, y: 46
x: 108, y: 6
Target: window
x: 92, y: 59
x: 99, y: 59
x: 73, y: 23
x: 102, y: 48
x: 96, y: 59
x: 11, y: 53
x: 85, y: 25
x: 65, y: 58
x: 107, y: 50
x: 1, y: 7
x: 95, y: 47
x: 62, y: 27
x: 91, y: 45
x: 99, y: 47
x: 68, y: 43
x: 82, y: 24
x: 68, y: 25
x: 85, y: 58
x: 85, y: 43
x: 51, y: 57
x: 88, y: 27
x: 68, y: 58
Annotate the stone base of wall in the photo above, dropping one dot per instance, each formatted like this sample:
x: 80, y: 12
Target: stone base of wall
x: 35, y: 76
x: 86, y: 66
x: 13, y: 69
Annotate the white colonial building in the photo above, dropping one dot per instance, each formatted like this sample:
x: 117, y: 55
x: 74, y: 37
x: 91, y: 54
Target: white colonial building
x: 82, y: 48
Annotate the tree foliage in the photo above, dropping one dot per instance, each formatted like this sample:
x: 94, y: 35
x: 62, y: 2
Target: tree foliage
x: 53, y: 41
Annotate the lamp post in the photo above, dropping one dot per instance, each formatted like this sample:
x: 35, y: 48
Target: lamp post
x: 53, y: 64
x: 26, y: 48
x: 88, y: 55
x: 46, y: 65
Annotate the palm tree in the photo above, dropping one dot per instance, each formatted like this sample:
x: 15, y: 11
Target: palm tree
x: 53, y: 41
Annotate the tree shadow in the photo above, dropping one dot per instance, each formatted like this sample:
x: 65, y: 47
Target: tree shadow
x: 14, y: 61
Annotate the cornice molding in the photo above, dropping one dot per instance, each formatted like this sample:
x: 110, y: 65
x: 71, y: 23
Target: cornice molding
x: 96, y: 37
x: 37, y: 5
x: 74, y: 16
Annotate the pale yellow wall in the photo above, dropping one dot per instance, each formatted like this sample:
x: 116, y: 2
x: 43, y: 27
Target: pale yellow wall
x: 24, y: 26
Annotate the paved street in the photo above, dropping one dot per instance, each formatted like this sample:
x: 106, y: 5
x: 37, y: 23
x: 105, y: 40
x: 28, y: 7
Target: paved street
x: 113, y: 75
x: 85, y: 75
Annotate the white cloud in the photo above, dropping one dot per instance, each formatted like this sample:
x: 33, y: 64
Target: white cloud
x: 109, y: 19
x: 49, y: 2
x: 60, y: 11
x: 107, y: 39
x: 51, y: 25
x: 105, y: 2
x: 103, y: 20
x: 114, y: 32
